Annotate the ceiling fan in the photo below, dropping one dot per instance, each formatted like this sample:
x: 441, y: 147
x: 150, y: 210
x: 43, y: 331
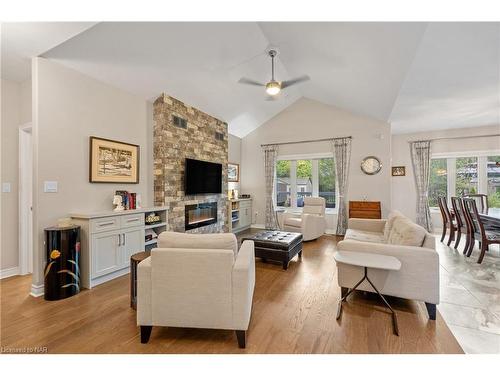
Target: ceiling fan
x: 273, y: 87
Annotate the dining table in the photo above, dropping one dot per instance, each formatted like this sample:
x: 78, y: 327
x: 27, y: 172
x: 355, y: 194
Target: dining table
x: 491, y: 220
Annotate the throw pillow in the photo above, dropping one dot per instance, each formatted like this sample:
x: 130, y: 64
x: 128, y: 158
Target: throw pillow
x: 406, y: 233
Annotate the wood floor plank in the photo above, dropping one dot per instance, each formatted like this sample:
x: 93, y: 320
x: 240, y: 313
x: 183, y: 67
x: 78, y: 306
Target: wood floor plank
x: 293, y: 312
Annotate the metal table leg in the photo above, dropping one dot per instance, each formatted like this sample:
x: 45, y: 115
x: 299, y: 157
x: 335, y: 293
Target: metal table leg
x: 365, y: 277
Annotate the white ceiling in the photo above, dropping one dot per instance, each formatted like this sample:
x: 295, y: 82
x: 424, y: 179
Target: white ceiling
x: 454, y: 81
x: 417, y: 76
x: 20, y: 41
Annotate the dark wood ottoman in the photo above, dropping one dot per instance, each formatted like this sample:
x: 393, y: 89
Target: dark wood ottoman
x: 276, y: 245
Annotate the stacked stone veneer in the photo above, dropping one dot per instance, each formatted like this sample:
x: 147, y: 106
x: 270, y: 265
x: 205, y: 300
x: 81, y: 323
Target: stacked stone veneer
x: 172, y: 145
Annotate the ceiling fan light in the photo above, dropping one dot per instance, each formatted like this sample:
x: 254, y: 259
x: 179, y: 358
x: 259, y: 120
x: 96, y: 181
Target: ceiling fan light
x: 273, y: 88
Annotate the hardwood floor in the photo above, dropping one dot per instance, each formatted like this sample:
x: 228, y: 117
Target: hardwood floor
x: 293, y: 312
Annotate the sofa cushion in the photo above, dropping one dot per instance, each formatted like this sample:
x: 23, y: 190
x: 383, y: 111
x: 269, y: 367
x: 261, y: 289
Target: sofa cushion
x: 224, y: 241
x: 390, y: 222
x: 365, y: 236
x: 407, y: 233
x: 293, y: 222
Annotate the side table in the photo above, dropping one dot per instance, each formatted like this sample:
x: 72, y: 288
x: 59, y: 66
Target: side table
x: 368, y: 260
x: 134, y: 261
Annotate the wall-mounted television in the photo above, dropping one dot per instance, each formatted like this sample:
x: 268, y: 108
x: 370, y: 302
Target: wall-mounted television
x: 202, y: 177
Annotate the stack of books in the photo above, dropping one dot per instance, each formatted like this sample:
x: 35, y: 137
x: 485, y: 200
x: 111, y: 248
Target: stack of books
x: 129, y: 200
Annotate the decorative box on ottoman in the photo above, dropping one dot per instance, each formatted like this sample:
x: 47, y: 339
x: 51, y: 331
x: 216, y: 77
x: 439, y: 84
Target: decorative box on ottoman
x: 277, y: 245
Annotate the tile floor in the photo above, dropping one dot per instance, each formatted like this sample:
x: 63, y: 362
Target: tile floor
x: 470, y: 297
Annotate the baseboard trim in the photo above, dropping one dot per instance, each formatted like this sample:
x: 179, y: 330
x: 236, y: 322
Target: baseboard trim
x: 9, y: 272
x: 36, y: 290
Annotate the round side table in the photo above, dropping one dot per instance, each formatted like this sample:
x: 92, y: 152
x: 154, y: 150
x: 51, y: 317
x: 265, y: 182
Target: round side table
x: 134, y: 261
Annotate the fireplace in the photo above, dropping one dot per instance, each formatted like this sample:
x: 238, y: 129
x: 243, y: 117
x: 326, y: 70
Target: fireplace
x: 199, y: 215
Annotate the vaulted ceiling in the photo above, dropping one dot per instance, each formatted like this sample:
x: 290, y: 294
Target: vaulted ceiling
x: 417, y: 76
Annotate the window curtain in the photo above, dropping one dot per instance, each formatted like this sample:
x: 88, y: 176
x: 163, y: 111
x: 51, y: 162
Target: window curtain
x: 421, y: 160
x: 270, y: 155
x: 342, y: 155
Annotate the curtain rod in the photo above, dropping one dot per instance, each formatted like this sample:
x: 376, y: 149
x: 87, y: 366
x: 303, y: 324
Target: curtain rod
x: 310, y: 141
x: 460, y: 137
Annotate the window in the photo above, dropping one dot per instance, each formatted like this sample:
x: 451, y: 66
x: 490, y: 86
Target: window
x: 304, y: 181
x: 493, y: 175
x: 326, y: 175
x: 463, y: 175
x: 297, y: 179
x: 438, y: 181
x: 466, y: 176
x: 283, y: 183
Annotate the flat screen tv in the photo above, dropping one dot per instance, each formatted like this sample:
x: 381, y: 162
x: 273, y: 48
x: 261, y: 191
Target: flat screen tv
x: 202, y: 177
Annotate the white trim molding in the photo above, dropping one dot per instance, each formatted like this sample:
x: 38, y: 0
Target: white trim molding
x: 37, y: 290
x: 9, y: 272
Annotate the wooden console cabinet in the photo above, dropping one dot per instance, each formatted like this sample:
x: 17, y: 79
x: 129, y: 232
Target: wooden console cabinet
x: 364, y: 210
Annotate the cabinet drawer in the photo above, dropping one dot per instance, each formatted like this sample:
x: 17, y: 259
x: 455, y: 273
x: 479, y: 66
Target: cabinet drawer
x: 245, y: 204
x: 104, y: 224
x: 365, y: 205
x: 360, y: 214
x: 132, y: 220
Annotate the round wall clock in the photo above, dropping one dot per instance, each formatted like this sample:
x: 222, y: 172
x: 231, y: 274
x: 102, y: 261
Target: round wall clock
x: 371, y: 165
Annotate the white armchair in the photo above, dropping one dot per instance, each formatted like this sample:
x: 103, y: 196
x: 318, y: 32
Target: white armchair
x: 312, y: 222
x: 196, y: 281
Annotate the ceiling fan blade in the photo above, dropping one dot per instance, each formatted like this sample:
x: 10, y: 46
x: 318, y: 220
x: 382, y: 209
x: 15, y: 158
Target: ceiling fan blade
x: 294, y: 81
x: 248, y: 81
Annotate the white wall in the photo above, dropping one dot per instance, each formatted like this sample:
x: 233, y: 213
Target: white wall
x: 69, y: 107
x: 403, y: 188
x: 16, y: 111
x: 308, y: 119
x: 234, y: 156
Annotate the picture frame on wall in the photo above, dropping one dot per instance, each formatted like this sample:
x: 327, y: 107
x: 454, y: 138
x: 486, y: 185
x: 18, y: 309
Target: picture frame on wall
x: 233, y: 172
x: 399, y: 171
x: 113, y: 161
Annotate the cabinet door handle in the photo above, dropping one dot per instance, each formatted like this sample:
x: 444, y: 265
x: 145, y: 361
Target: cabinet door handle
x: 134, y: 219
x: 123, y: 239
x: 119, y: 240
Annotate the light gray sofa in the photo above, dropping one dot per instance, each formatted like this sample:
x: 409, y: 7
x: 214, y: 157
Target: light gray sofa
x: 418, y: 278
x: 196, y: 281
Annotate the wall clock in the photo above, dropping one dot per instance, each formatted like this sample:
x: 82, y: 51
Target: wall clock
x: 371, y: 165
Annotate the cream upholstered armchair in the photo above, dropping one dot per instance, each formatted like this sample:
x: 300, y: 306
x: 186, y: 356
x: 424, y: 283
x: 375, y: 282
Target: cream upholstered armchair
x: 312, y: 222
x: 196, y: 281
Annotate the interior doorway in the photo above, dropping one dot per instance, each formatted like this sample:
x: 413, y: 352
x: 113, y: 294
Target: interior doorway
x: 25, y: 199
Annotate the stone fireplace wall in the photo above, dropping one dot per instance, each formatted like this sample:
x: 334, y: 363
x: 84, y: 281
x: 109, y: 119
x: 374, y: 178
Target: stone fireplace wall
x: 172, y: 144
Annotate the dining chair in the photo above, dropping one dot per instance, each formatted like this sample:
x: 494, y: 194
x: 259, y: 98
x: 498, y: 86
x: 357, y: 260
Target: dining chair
x: 461, y: 222
x: 444, y: 218
x: 482, y: 199
x: 443, y: 205
x: 469, y: 223
x: 485, y: 237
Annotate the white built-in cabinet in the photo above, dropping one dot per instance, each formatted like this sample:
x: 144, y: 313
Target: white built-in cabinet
x: 240, y: 214
x: 109, y: 239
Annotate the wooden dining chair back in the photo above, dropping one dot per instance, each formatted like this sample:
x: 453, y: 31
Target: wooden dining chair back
x: 485, y: 238
x: 443, y: 218
x: 448, y: 221
x: 469, y: 223
x: 461, y: 223
x: 481, y: 200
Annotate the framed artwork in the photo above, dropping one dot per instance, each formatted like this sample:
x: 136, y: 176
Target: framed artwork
x: 233, y: 172
x: 398, y: 171
x: 113, y: 161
